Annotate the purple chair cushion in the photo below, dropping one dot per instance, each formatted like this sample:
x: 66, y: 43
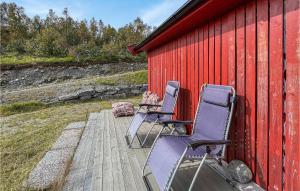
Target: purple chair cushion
x: 211, y: 122
x: 216, y: 96
x: 171, y: 90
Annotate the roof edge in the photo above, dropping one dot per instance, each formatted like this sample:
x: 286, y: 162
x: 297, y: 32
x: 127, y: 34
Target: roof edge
x: 185, y: 8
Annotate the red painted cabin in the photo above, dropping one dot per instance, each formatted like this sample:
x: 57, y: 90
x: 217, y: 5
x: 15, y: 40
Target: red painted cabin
x: 253, y: 46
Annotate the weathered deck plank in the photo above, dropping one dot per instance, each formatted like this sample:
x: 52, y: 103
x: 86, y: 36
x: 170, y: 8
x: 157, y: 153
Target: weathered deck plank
x: 103, y: 162
x: 116, y: 162
x: 97, y: 174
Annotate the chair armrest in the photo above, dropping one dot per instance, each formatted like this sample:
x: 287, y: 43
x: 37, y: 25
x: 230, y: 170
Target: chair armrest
x: 160, y: 113
x: 149, y: 105
x: 177, y: 122
x: 195, y: 144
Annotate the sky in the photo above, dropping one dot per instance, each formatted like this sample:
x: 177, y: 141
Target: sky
x: 114, y: 12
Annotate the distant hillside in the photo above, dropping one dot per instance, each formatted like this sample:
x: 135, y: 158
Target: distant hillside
x: 59, y: 39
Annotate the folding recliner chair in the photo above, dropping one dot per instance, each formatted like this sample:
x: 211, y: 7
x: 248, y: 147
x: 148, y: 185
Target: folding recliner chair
x: 166, y: 112
x: 208, y: 139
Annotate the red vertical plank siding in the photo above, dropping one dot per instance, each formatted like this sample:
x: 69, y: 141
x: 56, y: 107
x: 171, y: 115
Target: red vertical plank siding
x: 275, y: 95
x: 149, y: 69
x: 224, y: 50
x: 240, y: 84
x: 196, y: 71
x: 153, y: 64
x: 231, y: 78
x: 217, y: 51
x: 250, y: 157
x: 292, y: 136
x: 166, y: 63
x: 206, y: 54
x: 175, y: 58
x: 244, y: 48
x: 154, y: 70
x: 179, y: 77
x: 173, y: 65
x: 201, y: 57
x: 262, y: 137
x: 157, y: 73
x: 167, y: 71
x: 163, y: 85
x: 170, y: 61
x: 192, y: 76
x: 163, y: 69
x: 188, y: 76
x: 160, y: 73
x: 228, y: 61
x: 182, y: 75
x: 211, y: 52
x: 180, y: 72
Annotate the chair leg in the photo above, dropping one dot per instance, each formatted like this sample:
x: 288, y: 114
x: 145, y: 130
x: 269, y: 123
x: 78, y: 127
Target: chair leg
x: 152, y: 146
x: 148, y: 133
x: 129, y: 142
x: 131, y: 122
x: 146, y: 183
x: 197, y: 172
x: 172, y: 131
x: 175, y: 170
x: 139, y: 139
x: 145, y: 178
x: 149, y: 153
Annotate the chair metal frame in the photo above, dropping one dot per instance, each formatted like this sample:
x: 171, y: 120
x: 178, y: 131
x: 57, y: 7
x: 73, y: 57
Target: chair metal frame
x: 206, y: 155
x: 156, y: 122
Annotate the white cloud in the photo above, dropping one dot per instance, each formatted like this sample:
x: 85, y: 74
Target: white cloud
x: 157, y: 14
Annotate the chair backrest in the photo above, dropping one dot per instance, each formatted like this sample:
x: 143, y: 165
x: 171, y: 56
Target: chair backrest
x: 170, y: 98
x: 214, y: 113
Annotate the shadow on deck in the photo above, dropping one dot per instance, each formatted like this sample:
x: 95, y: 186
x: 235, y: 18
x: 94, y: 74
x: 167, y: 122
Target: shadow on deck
x: 104, y: 162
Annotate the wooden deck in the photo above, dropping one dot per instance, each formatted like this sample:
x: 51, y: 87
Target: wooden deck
x: 103, y: 162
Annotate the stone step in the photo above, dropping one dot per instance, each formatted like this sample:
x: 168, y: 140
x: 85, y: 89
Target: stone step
x: 52, y: 168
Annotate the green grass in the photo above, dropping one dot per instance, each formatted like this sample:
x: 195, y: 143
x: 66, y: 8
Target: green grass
x: 26, y: 137
x: 13, y: 59
x: 130, y: 78
x: 20, y: 107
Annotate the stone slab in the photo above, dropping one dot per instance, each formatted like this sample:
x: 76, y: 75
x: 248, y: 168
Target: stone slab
x: 68, y: 138
x: 75, y: 125
x: 50, y: 170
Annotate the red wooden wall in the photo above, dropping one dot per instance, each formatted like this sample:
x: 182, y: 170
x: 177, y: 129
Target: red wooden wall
x: 256, y: 49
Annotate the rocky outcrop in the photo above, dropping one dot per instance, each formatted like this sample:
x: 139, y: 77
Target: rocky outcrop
x: 18, y: 78
x: 104, y: 92
x: 68, y: 92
